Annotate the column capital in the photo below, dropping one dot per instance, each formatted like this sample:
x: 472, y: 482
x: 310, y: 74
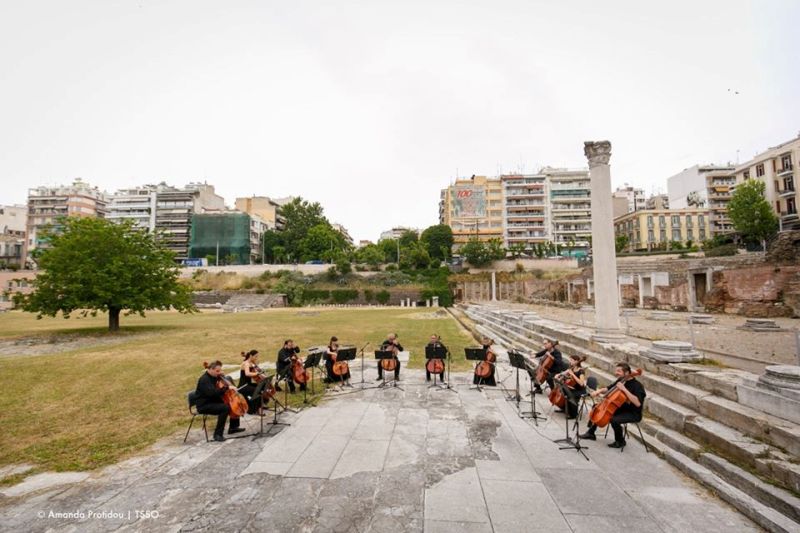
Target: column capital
x: 597, y: 152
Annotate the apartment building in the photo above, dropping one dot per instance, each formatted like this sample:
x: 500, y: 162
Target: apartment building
x: 473, y: 208
x: 46, y: 204
x: 651, y: 229
x: 265, y: 208
x: 777, y: 168
x: 634, y: 197
x: 395, y: 233
x: 175, y: 209
x: 689, y: 188
x: 526, y: 210
x: 346, y: 234
x: 570, y: 209
x: 720, y: 184
x: 138, y: 204
x: 657, y: 201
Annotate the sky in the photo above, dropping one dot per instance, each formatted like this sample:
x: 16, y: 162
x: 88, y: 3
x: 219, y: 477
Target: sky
x: 372, y: 107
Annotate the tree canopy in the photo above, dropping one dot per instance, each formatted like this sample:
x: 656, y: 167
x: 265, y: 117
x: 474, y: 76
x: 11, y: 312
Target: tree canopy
x: 438, y: 240
x: 751, y: 214
x: 94, y: 265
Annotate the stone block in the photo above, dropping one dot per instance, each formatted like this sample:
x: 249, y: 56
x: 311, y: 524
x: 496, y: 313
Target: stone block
x: 673, y: 415
x: 674, y: 391
x: 727, y: 440
x: 768, y: 401
x: 723, y: 383
x: 672, y: 352
x: 781, y: 470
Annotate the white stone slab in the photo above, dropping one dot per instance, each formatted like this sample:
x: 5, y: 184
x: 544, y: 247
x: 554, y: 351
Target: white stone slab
x: 457, y: 498
x: 275, y: 469
x: 361, y: 456
x: 320, y: 458
x: 47, y: 480
x: 522, y: 506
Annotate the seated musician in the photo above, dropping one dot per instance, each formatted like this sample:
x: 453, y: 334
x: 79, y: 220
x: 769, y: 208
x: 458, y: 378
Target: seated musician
x: 630, y: 411
x: 391, y: 344
x: 575, y: 379
x: 248, y: 374
x: 487, y: 344
x: 209, y: 399
x: 551, y: 347
x: 435, y: 342
x: 330, y: 358
x: 284, y: 365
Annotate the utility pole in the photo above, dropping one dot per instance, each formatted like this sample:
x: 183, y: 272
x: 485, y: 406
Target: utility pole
x: 217, y: 254
x: 398, y: 252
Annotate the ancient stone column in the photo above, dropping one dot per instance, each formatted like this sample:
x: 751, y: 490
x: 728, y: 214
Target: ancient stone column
x: 494, y: 294
x: 604, y: 260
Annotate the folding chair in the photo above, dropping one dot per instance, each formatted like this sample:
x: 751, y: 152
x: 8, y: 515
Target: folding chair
x: 191, y: 398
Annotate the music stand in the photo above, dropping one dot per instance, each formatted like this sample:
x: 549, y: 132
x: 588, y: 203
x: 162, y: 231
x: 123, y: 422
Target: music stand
x: 435, y: 352
x: 473, y: 353
x: 312, y: 361
x: 258, y: 393
x: 534, y: 414
x: 363, y: 385
x: 570, y: 443
x: 380, y: 355
x: 345, y: 353
x: 517, y: 361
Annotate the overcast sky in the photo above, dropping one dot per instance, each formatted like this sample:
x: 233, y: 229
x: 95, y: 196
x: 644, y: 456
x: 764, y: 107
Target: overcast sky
x: 372, y: 107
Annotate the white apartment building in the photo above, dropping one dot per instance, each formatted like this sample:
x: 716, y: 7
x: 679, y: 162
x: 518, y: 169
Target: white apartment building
x: 635, y: 197
x: 570, y: 209
x: 689, y: 187
x: 526, y: 210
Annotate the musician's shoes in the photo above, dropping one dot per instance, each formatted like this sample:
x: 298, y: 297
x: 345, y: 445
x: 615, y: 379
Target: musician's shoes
x: 616, y: 444
x: 558, y: 410
x: 537, y: 390
x: 588, y: 436
x: 571, y: 417
x: 379, y: 379
x: 219, y: 438
x: 233, y: 431
x: 278, y: 389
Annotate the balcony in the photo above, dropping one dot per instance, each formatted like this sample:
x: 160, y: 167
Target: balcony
x: 789, y: 215
x: 787, y: 192
x: 785, y: 171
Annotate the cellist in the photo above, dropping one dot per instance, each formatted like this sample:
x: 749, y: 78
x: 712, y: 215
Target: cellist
x: 330, y: 359
x: 551, y: 347
x: 487, y: 343
x: 435, y: 342
x: 574, y: 378
x: 248, y: 375
x: 284, y: 364
x: 391, y: 344
x: 210, y: 388
x: 630, y: 411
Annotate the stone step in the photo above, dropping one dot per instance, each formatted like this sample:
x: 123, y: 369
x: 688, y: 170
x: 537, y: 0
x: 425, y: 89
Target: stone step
x: 781, y: 500
x: 765, y: 516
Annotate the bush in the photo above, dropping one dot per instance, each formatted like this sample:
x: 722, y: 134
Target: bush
x: 444, y: 294
x: 260, y: 291
x: 265, y: 276
x: 340, y: 296
x: 391, y: 267
x: 720, y: 251
x: 250, y: 283
x: 369, y: 295
x: 316, y: 295
x: 383, y: 297
x: 361, y: 268
x: 344, y: 267
x: 519, y: 267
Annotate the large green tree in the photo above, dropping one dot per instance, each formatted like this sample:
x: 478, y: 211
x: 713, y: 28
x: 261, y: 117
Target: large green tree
x: 476, y: 253
x: 320, y: 242
x: 371, y: 254
x: 438, y: 240
x: 96, y: 265
x: 300, y: 216
x: 271, y: 240
x: 389, y: 247
x: 751, y: 214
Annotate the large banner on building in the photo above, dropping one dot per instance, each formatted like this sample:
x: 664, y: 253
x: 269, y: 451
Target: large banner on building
x: 469, y: 202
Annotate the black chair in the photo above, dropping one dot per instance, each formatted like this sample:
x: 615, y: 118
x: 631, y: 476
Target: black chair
x: 191, y: 398
x: 625, y: 434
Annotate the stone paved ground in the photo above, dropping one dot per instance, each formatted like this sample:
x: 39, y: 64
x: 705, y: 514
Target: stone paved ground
x: 387, y: 460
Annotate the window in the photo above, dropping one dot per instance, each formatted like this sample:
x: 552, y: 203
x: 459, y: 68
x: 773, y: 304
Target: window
x: 676, y: 235
x: 649, y: 221
x: 688, y: 221
x: 690, y: 234
x: 650, y: 236
x: 759, y: 170
x: 786, y: 162
x: 701, y: 221
x: 788, y: 184
x: 747, y: 174
x: 702, y: 233
x: 791, y: 207
x: 662, y: 235
x: 676, y: 220
x: 661, y: 220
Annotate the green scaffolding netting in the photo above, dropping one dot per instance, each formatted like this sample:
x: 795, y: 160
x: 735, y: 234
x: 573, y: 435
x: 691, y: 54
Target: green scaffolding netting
x: 228, y: 233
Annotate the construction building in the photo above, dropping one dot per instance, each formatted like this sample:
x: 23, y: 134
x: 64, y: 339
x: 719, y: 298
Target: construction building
x: 223, y: 238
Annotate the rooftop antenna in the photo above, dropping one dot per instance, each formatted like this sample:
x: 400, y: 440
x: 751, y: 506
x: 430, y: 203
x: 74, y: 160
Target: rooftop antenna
x: 737, y: 156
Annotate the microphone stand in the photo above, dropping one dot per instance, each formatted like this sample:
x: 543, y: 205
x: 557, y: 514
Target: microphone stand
x: 570, y: 444
x: 363, y: 385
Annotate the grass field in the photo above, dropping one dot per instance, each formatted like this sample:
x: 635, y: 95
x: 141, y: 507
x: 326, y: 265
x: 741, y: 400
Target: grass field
x: 113, y: 395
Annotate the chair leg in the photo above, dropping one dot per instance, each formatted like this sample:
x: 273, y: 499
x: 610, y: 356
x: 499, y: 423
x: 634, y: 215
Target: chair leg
x: 205, y: 427
x: 606, y: 434
x: 641, y: 435
x: 190, y: 428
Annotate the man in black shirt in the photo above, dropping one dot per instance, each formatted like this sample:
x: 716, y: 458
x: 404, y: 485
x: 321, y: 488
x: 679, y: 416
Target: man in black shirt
x: 630, y: 411
x: 284, y: 364
x: 435, y: 342
x: 551, y: 347
x: 391, y: 344
x: 209, y: 399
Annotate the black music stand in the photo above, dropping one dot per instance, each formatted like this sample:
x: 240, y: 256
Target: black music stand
x: 533, y: 414
x: 475, y: 354
x: 570, y: 443
x: 311, y: 361
x: 517, y: 361
x: 258, y: 393
x: 363, y: 385
x: 380, y: 355
x: 435, y: 352
x: 345, y: 354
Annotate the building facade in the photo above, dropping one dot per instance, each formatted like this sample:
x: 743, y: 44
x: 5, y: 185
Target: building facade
x: 653, y: 229
x: 138, y: 204
x: 777, y: 168
x: 263, y: 207
x: 175, y: 209
x: 48, y: 204
x: 689, y: 188
x: 634, y: 197
x: 473, y: 208
x: 526, y: 219
x: 657, y: 201
x: 570, y: 210
x: 719, y: 185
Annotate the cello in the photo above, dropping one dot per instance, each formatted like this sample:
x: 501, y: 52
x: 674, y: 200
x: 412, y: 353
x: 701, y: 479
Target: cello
x: 388, y: 365
x: 300, y: 375
x: 237, y: 404
x: 340, y: 368
x: 485, y: 369
x: 435, y: 366
x: 556, y: 396
x: 602, y: 412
